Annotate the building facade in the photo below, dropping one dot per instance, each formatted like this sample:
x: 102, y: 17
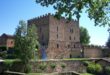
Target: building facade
x: 6, y: 41
x: 59, y: 38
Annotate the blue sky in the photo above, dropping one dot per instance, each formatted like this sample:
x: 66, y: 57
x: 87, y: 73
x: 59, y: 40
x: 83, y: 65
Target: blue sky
x: 11, y: 11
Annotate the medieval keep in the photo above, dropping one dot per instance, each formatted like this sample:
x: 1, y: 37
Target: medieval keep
x: 58, y: 38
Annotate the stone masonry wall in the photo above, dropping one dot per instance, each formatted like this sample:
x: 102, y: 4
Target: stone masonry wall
x: 42, y: 24
x: 59, y: 36
x: 41, y: 66
x: 65, y: 35
x: 93, y: 52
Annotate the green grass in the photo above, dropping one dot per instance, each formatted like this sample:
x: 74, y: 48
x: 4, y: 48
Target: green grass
x: 76, y: 59
x: 40, y: 74
x: 86, y: 74
x: 54, y: 74
x: 10, y: 60
x: 34, y: 74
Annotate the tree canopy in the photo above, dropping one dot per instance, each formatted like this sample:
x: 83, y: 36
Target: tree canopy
x: 25, y: 43
x: 84, y: 36
x: 98, y: 10
x: 108, y: 43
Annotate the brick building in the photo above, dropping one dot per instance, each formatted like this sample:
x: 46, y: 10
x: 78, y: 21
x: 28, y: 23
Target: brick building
x: 59, y: 38
x: 7, y: 40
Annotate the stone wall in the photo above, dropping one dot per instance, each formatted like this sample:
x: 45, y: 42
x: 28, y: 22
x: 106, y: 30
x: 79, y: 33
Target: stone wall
x: 93, y: 52
x: 46, y: 66
x: 104, y: 63
x: 42, y: 24
x: 59, y: 36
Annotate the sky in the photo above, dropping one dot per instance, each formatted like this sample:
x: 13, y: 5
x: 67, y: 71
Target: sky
x: 12, y: 11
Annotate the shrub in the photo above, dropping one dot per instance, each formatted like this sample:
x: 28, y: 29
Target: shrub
x: 42, y: 66
x: 63, y: 65
x: 3, y: 54
x: 86, y: 74
x: 52, y: 65
x: 8, y: 64
x: 3, y: 48
x: 94, y: 68
x: 27, y: 68
x: 86, y: 63
x: 107, y: 70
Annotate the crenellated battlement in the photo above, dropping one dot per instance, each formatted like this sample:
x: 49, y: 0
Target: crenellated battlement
x: 40, y: 17
x: 46, y: 17
x: 93, y: 46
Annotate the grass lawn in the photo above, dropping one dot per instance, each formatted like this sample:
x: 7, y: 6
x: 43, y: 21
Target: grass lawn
x: 83, y: 59
x: 77, y: 59
x: 40, y: 74
x: 86, y: 74
x: 11, y: 60
x: 34, y: 74
x: 53, y: 74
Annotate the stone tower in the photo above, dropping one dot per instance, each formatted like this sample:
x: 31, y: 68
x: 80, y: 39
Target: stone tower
x: 61, y: 39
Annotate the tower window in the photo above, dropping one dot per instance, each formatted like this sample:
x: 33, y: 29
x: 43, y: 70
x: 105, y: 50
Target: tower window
x: 71, y: 30
x: 70, y: 56
x: 74, y: 46
x: 57, y: 36
x: 57, y: 45
x: 68, y: 46
x: 70, y: 37
x: 57, y: 28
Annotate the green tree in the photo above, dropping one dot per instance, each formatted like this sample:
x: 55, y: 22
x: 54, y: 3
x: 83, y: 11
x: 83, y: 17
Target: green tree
x: 108, y: 42
x: 84, y: 36
x: 99, y: 10
x: 25, y: 43
x: 32, y: 39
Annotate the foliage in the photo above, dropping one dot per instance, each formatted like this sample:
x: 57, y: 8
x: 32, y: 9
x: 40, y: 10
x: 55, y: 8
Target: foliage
x: 25, y: 42
x: 52, y: 65
x: 8, y: 64
x: 63, y: 65
x: 94, y: 68
x: 96, y: 9
x: 32, y: 39
x: 3, y: 54
x: 108, y: 43
x: 84, y: 36
x: 107, y: 70
x: 86, y: 74
x: 27, y: 68
x: 42, y: 66
x: 86, y: 63
x: 3, y: 48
